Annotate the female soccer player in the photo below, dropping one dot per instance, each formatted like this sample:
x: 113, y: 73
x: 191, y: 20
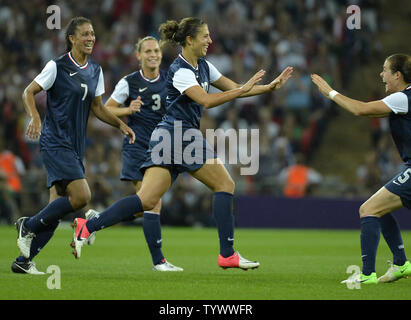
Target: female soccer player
x: 188, y: 81
x: 146, y: 87
x: 375, y: 213
x: 74, y: 85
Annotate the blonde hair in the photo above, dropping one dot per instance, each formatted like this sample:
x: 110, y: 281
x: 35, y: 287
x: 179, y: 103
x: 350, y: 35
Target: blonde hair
x: 140, y: 41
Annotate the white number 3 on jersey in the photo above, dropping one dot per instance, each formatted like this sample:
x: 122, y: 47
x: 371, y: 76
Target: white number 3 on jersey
x: 156, y: 102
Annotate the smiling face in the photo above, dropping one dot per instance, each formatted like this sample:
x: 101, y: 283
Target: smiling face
x: 200, y: 43
x: 83, y: 39
x: 150, y: 55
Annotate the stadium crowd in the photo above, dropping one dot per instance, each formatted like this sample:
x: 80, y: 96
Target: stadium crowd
x: 248, y: 35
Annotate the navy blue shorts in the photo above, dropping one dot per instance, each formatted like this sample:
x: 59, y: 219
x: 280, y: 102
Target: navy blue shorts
x: 178, y: 149
x: 132, y: 157
x: 401, y: 186
x: 62, y: 164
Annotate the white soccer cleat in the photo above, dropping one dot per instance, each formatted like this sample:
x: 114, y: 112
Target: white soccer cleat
x: 90, y: 214
x: 24, y: 237
x: 166, y: 266
x: 395, y: 272
x: 25, y: 267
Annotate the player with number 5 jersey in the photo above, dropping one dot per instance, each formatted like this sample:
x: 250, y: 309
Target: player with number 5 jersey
x: 375, y: 213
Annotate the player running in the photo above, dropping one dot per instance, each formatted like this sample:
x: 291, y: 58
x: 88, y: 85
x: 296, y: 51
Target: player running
x: 74, y: 85
x: 189, y: 78
x: 375, y: 213
x: 143, y: 94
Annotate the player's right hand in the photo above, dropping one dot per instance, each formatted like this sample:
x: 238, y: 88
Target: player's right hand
x: 253, y: 81
x: 135, y: 105
x: 126, y: 130
x: 33, y: 130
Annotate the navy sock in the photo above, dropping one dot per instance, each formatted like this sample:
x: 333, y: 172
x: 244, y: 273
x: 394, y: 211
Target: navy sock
x: 40, y: 241
x: 392, y: 235
x: 152, y: 232
x: 370, y: 237
x: 49, y: 215
x: 223, y: 215
x: 117, y: 212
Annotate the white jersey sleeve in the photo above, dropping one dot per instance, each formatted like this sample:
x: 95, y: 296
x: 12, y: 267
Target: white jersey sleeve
x: 100, y: 84
x: 183, y: 79
x: 121, y: 91
x: 214, y: 73
x: 397, y: 102
x: 47, y: 76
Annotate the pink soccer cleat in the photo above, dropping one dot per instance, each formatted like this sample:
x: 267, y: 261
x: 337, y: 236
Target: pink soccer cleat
x: 236, y: 261
x: 80, y: 236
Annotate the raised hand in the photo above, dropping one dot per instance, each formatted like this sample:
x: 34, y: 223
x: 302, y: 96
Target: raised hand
x: 278, y: 82
x: 322, y: 85
x: 253, y: 81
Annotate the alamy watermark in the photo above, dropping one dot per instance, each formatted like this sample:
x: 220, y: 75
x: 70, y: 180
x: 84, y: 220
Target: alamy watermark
x: 54, y: 20
x: 54, y: 281
x: 354, y: 20
x: 352, y: 282
x: 187, y: 146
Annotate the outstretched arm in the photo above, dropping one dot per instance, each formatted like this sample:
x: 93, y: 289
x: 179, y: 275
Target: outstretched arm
x: 210, y: 100
x: 225, y: 84
x: 356, y: 107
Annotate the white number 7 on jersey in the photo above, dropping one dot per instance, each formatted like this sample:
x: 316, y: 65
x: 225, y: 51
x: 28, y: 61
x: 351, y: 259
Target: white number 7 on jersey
x: 83, y: 85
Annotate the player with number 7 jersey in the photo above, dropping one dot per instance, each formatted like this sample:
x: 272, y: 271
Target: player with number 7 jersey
x: 74, y: 86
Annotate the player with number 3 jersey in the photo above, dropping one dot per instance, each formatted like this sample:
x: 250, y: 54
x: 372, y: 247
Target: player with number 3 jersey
x: 141, y: 97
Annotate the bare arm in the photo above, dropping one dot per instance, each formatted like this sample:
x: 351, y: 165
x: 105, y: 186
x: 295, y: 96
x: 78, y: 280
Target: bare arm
x: 106, y: 116
x: 34, y: 128
x: 225, y: 84
x: 373, y: 109
x: 114, y: 107
x: 210, y: 100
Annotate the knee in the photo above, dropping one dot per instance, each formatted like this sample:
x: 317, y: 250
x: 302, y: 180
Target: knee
x: 365, y: 210
x: 148, y: 202
x: 228, y: 185
x: 362, y: 211
x: 79, y: 201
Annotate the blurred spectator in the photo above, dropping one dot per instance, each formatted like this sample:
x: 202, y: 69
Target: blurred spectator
x: 9, y: 211
x: 247, y: 35
x: 298, y: 179
x: 369, y: 174
x: 12, y: 167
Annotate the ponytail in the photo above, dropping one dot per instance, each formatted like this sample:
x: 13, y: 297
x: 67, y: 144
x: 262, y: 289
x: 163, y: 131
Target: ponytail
x: 177, y: 32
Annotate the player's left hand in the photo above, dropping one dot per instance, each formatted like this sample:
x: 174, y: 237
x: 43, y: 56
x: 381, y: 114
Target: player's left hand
x: 125, y: 129
x: 322, y: 85
x: 278, y: 82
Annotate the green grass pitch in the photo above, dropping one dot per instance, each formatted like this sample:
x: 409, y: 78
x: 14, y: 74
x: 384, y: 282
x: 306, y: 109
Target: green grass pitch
x: 295, y: 264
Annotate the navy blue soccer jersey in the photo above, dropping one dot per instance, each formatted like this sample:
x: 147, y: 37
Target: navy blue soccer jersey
x: 71, y: 89
x: 181, y: 76
x: 400, y: 122
x: 153, y: 94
